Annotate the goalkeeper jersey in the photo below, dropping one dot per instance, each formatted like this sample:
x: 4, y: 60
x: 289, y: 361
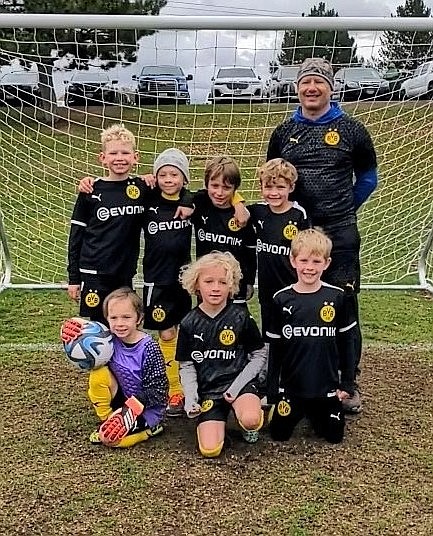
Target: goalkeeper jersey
x: 312, y: 338
x: 275, y: 233
x: 105, y: 229
x: 326, y: 154
x: 218, y: 346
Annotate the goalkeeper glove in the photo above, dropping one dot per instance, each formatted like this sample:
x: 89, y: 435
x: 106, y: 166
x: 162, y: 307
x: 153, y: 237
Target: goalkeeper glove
x: 120, y: 422
x: 71, y: 329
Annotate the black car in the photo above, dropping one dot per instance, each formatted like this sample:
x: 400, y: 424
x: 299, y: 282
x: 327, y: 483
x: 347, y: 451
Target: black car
x: 283, y: 84
x: 19, y: 87
x: 88, y: 87
x: 162, y: 83
x: 356, y: 83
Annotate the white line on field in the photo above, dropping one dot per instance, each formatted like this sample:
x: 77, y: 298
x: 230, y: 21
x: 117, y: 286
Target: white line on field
x: 30, y: 347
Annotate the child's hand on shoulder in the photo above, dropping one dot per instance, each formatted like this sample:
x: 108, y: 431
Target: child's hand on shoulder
x: 149, y: 179
x: 85, y: 186
x: 242, y: 214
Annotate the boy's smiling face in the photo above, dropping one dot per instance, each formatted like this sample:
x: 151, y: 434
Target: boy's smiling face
x: 170, y: 179
x: 220, y: 192
x: 119, y: 157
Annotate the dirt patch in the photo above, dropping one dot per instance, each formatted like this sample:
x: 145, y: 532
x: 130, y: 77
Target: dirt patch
x: 379, y: 481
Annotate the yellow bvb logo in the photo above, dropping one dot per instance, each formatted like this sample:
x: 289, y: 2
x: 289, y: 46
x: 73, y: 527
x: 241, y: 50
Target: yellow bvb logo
x: 283, y: 408
x: 206, y: 405
x: 332, y: 137
x: 91, y: 299
x: 132, y: 191
x: 232, y: 225
x: 327, y: 312
x: 158, y: 314
x: 227, y: 337
x: 290, y: 231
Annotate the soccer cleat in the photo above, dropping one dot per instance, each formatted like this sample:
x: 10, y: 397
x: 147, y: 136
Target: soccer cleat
x: 250, y: 436
x: 120, y: 422
x: 155, y: 430
x: 94, y: 438
x: 353, y: 404
x: 175, y: 405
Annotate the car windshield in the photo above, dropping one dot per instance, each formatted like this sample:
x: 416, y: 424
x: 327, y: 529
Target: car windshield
x: 360, y: 74
x: 161, y: 70
x: 20, y: 77
x: 289, y: 72
x: 87, y: 76
x: 236, y: 72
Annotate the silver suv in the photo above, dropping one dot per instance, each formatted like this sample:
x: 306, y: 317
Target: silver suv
x: 19, y: 87
x: 236, y: 83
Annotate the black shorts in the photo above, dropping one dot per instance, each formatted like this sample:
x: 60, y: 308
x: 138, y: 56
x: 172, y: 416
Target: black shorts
x: 164, y: 306
x: 344, y: 270
x: 94, y: 290
x: 325, y: 414
x: 218, y: 409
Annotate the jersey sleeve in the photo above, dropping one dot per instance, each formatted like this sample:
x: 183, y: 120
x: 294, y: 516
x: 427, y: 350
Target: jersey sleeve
x: 274, y: 149
x: 79, y: 220
x: 275, y: 359
x: 250, y: 242
x: 155, y: 384
x: 182, y: 345
x: 363, y: 154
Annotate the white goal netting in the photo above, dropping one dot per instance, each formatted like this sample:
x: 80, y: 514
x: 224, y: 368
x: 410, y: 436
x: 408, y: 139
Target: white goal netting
x: 49, y: 141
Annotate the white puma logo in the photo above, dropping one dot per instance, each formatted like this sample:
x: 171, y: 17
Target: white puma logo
x: 204, y: 218
x: 96, y: 196
x: 155, y: 209
x: 332, y: 415
x: 288, y: 309
x: 200, y: 337
x: 294, y: 140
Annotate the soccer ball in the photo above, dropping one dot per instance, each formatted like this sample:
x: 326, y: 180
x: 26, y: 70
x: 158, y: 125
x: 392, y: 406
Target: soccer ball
x: 92, y: 349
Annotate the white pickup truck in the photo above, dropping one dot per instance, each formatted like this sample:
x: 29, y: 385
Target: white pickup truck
x: 421, y: 84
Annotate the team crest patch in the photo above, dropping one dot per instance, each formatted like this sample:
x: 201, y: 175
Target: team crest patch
x: 132, y: 191
x: 327, y: 312
x: 290, y: 231
x: 283, y: 408
x: 227, y: 337
x: 91, y: 299
x: 206, y: 405
x: 158, y: 314
x: 232, y: 225
x: 332, y: 137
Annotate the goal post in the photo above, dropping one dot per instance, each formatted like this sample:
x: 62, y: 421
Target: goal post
x: 47, y: 146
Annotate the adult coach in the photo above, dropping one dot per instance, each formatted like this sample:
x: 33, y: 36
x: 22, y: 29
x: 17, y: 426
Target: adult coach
x: 337, y: 171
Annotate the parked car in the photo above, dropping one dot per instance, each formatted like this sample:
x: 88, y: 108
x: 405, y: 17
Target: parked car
x: 236, y: 83
x: 283, y: 84
x: 90, y: 87
x: 19, y: 86
x: 395, y: 78
x: 420, y: 85
x: 356, y: 83
x: 162, y: 83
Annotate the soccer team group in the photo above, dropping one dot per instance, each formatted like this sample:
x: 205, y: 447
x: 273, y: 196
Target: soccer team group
x: 211, y: 358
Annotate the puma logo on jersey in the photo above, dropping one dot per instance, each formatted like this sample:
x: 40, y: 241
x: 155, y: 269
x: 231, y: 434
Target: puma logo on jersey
x: 288, y: 309
x: 200, y: 337
x: 204, y: 218
x: 154, y: 209
x: 335, y: 416
x: 294, y: 140
x: 96, y: 196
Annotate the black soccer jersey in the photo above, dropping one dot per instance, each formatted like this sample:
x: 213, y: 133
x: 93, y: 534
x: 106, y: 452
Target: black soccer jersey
x: 216, y: 229
x: 105, y: 229
x: 218, y: 346
x: 167, y: 241
x: 325, y: 156
x: 275, y: 233
x: 311, y: 339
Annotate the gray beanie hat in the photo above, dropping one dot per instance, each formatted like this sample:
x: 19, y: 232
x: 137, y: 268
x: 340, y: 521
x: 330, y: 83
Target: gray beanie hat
x: 172, y: 157
x: 317, y: 67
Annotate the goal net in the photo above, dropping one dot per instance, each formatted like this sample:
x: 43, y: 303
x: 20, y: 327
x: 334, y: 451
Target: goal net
x: 49, y: 140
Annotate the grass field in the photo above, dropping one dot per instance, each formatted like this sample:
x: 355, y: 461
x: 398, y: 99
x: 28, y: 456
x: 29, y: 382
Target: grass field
x: 54, y: 482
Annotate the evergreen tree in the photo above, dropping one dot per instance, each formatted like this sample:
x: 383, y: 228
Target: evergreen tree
x: 403, y: 48
x: 337, y: 47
